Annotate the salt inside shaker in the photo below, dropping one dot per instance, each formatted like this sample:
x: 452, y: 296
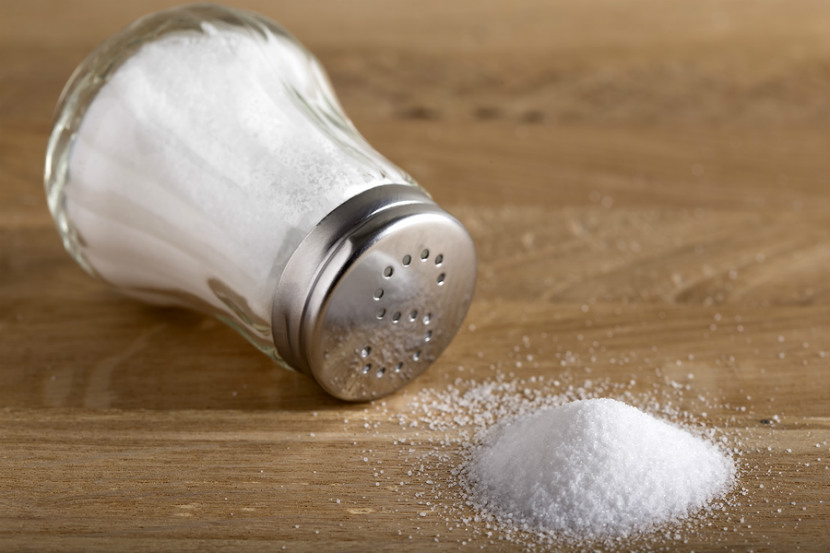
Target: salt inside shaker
x: 200, y: 158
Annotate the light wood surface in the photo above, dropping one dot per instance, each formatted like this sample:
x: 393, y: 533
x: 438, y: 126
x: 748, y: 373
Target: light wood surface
x: 646, y: 183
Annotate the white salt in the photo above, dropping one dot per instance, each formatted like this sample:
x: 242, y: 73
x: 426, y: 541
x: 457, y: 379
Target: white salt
x: 594, y: 468
x: 202, y: 163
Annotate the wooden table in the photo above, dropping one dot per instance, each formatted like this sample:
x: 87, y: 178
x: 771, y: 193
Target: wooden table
x: 646, y: 180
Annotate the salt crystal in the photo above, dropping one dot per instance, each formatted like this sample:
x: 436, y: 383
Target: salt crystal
x: 593, y: 468
x: 192, y: 134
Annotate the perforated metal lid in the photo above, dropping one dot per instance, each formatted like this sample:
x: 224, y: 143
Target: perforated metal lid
x: 375, y: 293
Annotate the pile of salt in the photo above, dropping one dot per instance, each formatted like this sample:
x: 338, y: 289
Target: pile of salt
x: 594, y: 468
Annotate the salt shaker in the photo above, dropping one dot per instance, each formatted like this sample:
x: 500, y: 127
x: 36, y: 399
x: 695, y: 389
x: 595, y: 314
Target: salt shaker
x: 200, y: 158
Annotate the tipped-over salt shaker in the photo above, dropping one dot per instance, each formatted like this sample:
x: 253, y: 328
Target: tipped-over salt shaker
x: 200, y: 158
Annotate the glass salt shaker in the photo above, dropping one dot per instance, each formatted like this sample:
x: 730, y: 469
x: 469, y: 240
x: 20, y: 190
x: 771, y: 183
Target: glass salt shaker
x: 200, y: 158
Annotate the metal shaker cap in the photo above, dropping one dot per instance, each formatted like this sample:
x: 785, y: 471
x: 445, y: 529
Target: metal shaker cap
x: 375, y: 293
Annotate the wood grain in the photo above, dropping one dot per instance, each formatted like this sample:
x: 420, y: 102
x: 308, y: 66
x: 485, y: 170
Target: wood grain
x: 647, y: 186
